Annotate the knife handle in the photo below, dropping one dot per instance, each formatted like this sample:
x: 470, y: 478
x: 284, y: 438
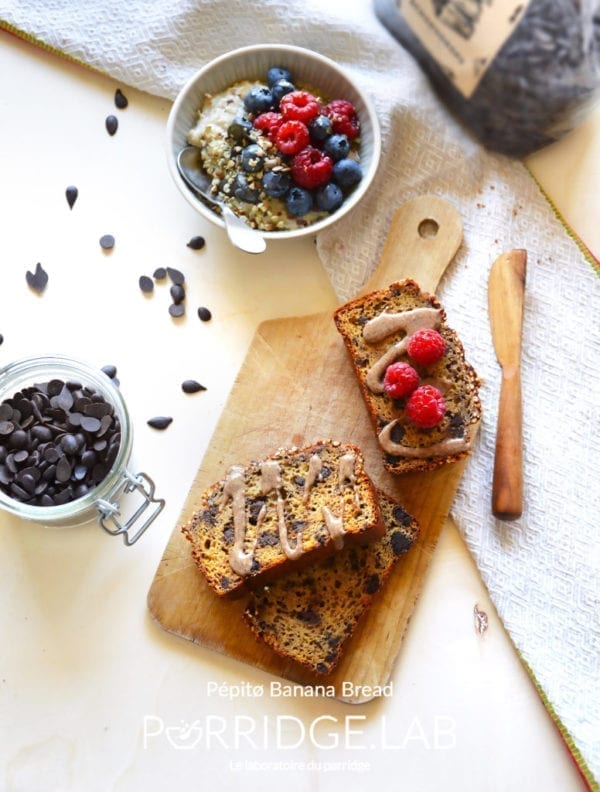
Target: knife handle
x: 507, y: 487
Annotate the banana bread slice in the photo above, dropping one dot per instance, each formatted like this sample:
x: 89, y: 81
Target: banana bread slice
x: 291, y: 509
x: 377, y: 330
x: 310, y: 615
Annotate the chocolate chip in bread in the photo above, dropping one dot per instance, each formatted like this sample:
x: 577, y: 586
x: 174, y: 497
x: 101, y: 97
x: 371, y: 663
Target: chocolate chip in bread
x: 309, y: 615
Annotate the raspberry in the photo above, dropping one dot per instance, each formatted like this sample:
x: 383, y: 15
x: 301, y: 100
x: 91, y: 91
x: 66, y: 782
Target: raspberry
x: 268, y: 123
x: 291, y: 137
x: 426, y: 406
x: 311, y: 168
x: 400, y: 380
x: 299, y: 106
x: 342, y: 115
x: 426, y: 346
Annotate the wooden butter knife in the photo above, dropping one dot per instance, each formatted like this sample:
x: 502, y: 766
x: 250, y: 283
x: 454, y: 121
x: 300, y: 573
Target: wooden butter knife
x: 506, y: 288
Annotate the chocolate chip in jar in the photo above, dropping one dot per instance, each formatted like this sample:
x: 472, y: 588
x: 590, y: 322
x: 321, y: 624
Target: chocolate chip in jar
x: 49, y: 449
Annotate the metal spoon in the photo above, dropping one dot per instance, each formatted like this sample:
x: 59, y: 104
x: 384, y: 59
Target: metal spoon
x: 239, y: 232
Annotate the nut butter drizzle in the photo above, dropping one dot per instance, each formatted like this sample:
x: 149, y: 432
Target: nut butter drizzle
x: 346, y: 475
x: 379, y: 328
x: 314, y: 468
x: 270, y: 472
x: 452, y: 445
x: 385, y: 325
x: 241, y: 560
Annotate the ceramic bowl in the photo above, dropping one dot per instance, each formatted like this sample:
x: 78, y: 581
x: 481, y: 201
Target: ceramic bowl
x: 309, y: 69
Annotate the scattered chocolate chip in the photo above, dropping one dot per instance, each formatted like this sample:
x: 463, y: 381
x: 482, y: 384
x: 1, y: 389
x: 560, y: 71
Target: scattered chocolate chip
x: 177, y: 277
x: 107, y: 241
x: 160, y: 273
x: 176, y: 310
x: 177, y: 293
x: 37, y: 280
x: 110, y: 370
x: 71, y: 192
x: 1, y: 338
x: 191, y: 386
x: 160, y: 422
x: 146, y: 284
x: 121, y: 100
x: 204, y: 314
x: 111, y: 124
x: 196, y: 243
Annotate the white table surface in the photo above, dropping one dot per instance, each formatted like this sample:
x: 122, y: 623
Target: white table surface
x: 93, y: 695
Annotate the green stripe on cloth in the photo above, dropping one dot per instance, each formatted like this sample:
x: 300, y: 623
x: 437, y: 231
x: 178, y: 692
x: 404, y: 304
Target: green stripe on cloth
x: 592, y: 260
x: 586, y: 773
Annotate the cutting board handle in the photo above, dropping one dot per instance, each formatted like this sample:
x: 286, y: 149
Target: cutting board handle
x: 424, y: 236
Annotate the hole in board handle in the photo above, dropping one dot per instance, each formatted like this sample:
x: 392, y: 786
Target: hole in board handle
x: 428, y: 228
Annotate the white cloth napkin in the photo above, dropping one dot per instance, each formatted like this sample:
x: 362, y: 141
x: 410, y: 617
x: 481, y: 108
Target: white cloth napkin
x: 541, y: 571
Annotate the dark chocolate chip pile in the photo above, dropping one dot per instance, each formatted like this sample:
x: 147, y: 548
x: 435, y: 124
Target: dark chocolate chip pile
x: 58, y: 440
x: 37, y: 280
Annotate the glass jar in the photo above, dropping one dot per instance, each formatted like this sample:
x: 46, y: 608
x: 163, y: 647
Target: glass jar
x: 103, y: 501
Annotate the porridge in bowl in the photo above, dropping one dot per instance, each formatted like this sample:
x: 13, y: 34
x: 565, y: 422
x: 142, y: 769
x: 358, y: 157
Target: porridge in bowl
x: 282, y: 156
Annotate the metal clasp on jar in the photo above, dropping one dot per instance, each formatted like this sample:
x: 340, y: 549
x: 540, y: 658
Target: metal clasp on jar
x: 109, y: 510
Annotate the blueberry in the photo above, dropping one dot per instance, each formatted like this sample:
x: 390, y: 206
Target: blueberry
x: 277, y: 73
x: 252, y: 158
x: 258, y: 99
x: 276, y: 183
x: 347, y: 172
x: 239, y: 128
x: 337, y: 146
x: 280, y: 89
x: 329, y: 197
x: 298, y: 201
x: 320, y: 128
x: 243, y: 191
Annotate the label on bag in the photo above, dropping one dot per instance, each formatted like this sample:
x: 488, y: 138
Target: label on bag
x: 463, y: 36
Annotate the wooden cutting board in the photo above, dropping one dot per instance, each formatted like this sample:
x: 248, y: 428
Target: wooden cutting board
x: 295, y: 386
